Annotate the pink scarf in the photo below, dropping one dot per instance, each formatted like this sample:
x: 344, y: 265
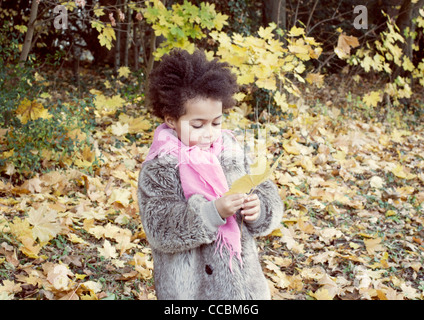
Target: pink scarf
x: 200, y: 173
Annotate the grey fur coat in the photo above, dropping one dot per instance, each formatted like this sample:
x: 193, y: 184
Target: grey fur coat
x: 182, y: 233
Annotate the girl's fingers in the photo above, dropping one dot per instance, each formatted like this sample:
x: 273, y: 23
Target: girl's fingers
x: 251, y: 211
x: 252, y: 217
x: 251, y: 204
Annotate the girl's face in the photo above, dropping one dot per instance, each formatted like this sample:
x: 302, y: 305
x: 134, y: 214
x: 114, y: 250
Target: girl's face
x: 200, y: 125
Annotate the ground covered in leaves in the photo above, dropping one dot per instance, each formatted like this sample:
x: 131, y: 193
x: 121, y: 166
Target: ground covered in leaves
x: 353, y: 226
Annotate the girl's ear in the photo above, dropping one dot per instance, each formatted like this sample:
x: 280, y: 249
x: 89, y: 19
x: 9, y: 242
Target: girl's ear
x: 170, y: 122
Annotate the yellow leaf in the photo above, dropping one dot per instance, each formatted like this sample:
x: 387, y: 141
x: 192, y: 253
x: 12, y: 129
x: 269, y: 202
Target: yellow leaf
x: 266, y: 33
x: 344, y: 45
x: 401, y: 172
x: 249, y: 181
x: 295, y: 31
x: 300, y: 49
x: 407, y: 64
x: 75, y: 239
x: 276, y: 233
x: 307, y: 164
x: 390, y: 213
x: 292, y: 147
x: 44, y: 221
x: 118, y: 129
x: 80, y: 276
x: 281, y: 101
x: 121, y: 196
x: 98, y: 12
x: 322, y: 294
x: 135, y: 125
x: 21, y: 28
x: 373, y: 245
x: 107, y: 36
x: 376, y: 182
x: 124, y: 72
x: 10, y: 287
x: 267, y: 83
x: 108, y: 106
x: 372, y: 99
x: 21, y: 228
x: 315, y: 78
x: 108, y: 251
x: 58, y: 276
x: 31, y: 110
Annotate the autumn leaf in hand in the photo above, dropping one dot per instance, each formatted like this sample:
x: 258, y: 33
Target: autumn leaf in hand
x: 260, y: 173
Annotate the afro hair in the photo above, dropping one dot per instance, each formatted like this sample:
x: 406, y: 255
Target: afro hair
x: 182, y: 76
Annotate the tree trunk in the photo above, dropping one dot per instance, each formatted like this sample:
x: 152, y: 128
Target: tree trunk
x: 30, y: 32
x: 128, y: 36
x: 275, y: 11
x: 136, y: 46
x: 118, y: 42
x: 407, y: 13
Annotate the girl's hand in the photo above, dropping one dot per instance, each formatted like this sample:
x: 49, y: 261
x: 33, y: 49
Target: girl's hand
x: 251, y: 207
x: 228, y: 205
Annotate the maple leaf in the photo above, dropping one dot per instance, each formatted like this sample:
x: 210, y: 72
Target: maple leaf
x: 344, y: 45
x: 376, y: 182
x: 249, y: 181
x: 44, y: 221
x: 220, y: 21
x: 372, y: 99
x: 401, y: 172
x: 58, y: 276
x: 295, y: 31
x: 373, y: 245
x: 124, y: 72
x: 108, y: 251
x: 119, y: 130
x: 121, y: 196
x: 31, y: 110
x: 322, y: 294
x: 108, y: 106
x: 266, y: 33
x: 135, y: 125
x: 10, y: 287
x: 315, y: 78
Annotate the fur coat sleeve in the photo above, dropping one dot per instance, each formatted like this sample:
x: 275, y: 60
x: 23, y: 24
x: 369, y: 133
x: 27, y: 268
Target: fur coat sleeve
x: 172, y: 223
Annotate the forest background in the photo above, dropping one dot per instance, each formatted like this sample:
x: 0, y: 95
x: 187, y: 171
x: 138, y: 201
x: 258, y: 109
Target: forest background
x: 333, y: 90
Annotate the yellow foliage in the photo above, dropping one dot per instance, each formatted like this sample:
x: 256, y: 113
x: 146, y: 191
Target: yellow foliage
x: 31, y: 110
x: 372, y: 99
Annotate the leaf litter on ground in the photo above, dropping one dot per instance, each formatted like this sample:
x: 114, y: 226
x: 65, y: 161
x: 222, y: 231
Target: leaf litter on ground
x: 353, y: 226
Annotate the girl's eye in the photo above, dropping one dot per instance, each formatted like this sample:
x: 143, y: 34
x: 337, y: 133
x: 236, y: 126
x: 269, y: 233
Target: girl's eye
x: 196, y: 126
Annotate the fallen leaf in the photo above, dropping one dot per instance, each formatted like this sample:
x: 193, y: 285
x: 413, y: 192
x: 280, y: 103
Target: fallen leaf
x: 373, y: 245
x: 44, y: 221
x: 108, y: 251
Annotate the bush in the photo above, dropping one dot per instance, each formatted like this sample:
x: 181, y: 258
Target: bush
x: 36, y: 135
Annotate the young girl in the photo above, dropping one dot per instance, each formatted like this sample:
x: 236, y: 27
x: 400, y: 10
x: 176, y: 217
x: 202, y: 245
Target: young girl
x: 202, y: 240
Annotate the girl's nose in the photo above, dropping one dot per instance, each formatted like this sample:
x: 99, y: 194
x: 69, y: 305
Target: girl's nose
x: 208, y: 132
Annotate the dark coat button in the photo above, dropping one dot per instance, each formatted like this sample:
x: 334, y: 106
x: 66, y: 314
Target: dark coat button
x: 208, y: 269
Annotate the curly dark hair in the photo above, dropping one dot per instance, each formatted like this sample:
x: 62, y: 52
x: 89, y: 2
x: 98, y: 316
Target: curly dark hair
x: 182, y: 76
